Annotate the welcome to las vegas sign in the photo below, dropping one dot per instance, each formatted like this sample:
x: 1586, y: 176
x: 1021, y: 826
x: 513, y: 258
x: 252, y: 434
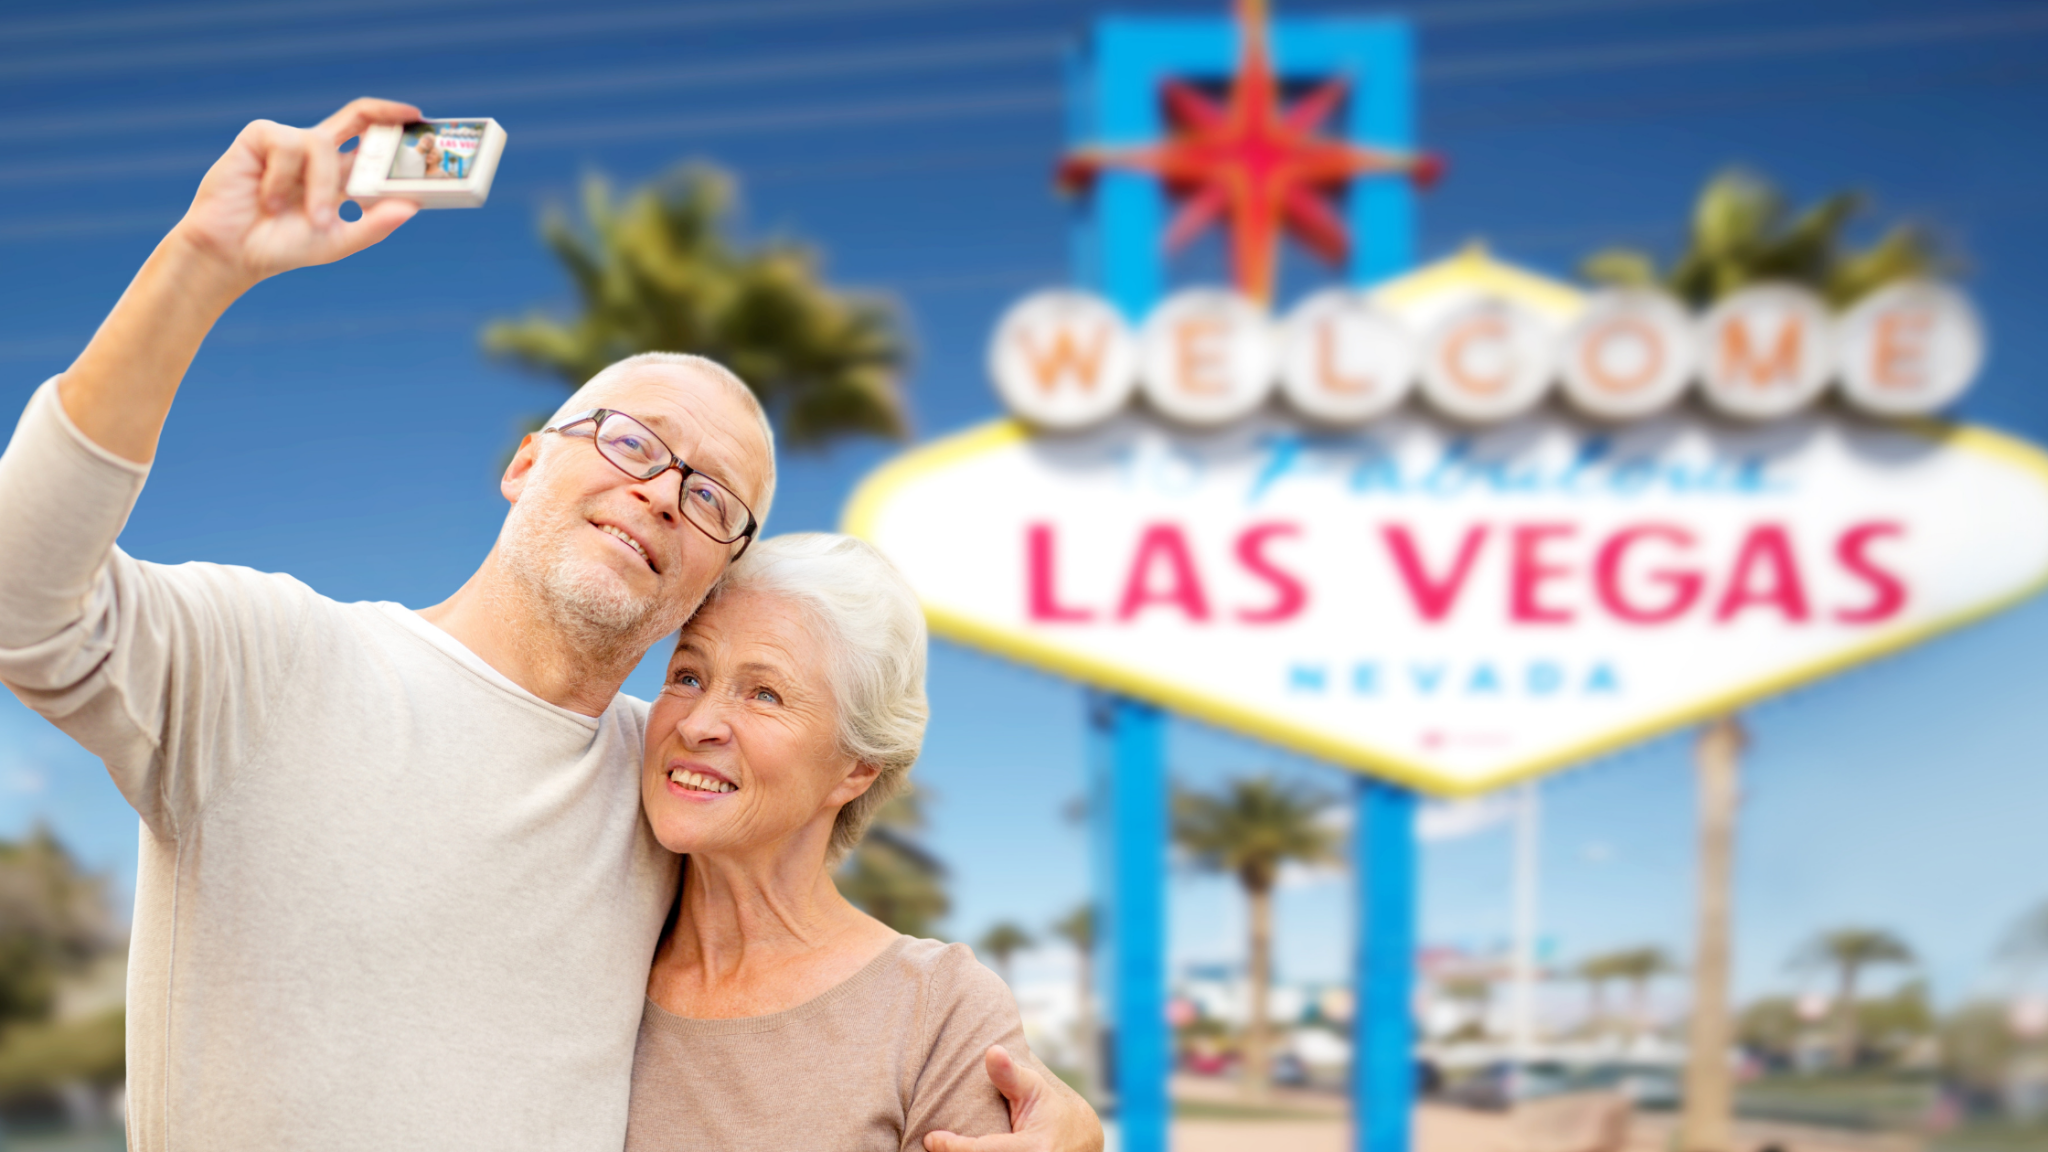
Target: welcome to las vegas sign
x: 1455, y: 604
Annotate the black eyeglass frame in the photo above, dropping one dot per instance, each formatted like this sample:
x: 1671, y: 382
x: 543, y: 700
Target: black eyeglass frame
x: 596, y: 417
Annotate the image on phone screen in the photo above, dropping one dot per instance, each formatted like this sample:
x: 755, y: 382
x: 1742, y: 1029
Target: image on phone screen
x: 437, y: 151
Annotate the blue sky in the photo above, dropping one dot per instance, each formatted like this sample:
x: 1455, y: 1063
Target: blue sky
x: 343, y: 426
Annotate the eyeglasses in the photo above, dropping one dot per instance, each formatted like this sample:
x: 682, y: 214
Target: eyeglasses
x: 628, y: 446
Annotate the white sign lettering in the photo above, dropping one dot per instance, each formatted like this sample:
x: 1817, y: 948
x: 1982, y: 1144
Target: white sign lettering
x: 1065, y: 359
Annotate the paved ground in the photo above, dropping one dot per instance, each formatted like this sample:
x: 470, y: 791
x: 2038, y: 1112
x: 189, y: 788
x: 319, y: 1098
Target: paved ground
x: 1454, y: 1130
x: 1316, y: 1122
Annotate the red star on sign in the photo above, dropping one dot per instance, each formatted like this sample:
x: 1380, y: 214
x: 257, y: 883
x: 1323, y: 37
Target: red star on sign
x: 1267, y: 167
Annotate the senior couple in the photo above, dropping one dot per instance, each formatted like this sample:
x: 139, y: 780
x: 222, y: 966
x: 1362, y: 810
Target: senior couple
x: 427, y: 879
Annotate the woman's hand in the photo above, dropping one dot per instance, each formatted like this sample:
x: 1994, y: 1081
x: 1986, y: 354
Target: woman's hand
x: 1045, y: 1115
x: 272, y: 202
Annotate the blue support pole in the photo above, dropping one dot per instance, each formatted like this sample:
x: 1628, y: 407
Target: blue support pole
x: 1383, y: 1032
x: 1114, y: 87
x: 1128, y: 824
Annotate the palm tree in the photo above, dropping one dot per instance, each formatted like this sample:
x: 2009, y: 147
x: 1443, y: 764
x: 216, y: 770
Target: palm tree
x: 1250, y: 829
x: 1078, y: 928
x: 54, y: 920
x: 1770, y: 1025
x: 2026, y: 945
x: 1743, y: 233
x: 1640, y: 967
x: 1596, y: 971
x: 659, y: 270
x: 1708, y: 1124
x: 1850, y: 951
x: 1004, y: 939
x: 892, y: 877
x: 1476, y: 993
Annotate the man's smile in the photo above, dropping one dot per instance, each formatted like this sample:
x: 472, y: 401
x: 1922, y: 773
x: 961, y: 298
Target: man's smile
x: 630, y: 540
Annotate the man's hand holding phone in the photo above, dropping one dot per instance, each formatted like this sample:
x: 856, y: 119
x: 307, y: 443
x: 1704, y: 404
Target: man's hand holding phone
x: 272, y: 203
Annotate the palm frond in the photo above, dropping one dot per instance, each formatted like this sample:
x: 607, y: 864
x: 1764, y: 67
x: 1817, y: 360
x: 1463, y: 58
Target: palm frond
x: 658, y: 270
x: 1740, y: 237
x: 1253, y: 826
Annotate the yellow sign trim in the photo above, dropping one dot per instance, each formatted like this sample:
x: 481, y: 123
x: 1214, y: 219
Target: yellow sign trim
x: 865, y: 505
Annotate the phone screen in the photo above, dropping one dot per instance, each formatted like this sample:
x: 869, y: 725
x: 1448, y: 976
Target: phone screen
x: 437, y: 150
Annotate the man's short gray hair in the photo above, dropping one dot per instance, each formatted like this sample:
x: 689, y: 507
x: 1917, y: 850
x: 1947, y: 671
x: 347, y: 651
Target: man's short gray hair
x: 711, y: 370
x: 871, y: 625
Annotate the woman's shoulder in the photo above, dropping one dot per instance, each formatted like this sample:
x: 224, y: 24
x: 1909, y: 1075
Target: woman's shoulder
x: 954, y: 963
x: 966, y: 1008
x: 954, y: 980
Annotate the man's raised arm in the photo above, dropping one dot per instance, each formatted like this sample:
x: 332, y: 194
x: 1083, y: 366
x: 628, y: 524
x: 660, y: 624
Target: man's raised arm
x: 271, y: 204
x: 149, y: 672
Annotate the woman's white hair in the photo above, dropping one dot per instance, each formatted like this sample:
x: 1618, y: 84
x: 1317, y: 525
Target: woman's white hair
x: 873, y: 631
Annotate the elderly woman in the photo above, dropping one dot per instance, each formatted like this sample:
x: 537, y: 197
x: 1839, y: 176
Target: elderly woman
x: 779, y: 1015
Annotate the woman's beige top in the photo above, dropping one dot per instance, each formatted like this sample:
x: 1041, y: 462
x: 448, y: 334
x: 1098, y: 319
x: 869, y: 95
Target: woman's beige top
x: 892, y: 1053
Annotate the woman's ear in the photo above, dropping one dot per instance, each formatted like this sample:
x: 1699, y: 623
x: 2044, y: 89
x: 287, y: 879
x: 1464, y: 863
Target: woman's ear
x: 857, y: 781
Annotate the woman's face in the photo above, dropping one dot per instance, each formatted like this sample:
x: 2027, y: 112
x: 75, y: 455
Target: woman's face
x: 742, y: 747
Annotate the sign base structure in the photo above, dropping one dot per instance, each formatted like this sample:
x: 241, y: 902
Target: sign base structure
x: 1383, y: 1066
x: 1456, y: 609
x: 1126, y: 781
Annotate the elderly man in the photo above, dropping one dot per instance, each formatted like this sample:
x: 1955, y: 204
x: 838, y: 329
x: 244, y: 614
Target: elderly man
x: 395, y: 887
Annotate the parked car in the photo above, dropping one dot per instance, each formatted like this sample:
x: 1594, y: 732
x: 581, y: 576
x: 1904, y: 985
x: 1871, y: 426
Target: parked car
x: 1497, y: 1087
x: 1289, y: 1071
x: 1649, y: 1086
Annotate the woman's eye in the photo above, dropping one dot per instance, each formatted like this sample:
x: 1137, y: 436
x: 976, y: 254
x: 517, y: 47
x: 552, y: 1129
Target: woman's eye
x: 685, y: 680
x: 766, y: 695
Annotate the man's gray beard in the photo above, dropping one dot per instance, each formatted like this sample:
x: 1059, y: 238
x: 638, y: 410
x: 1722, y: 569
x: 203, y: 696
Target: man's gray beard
x: 590, y: 606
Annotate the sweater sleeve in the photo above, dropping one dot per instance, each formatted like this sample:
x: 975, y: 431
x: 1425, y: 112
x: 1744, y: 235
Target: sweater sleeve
x: 966, y: 1009
x: 160, y: 671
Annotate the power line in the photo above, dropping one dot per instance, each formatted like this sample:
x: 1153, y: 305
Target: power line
x: 552, y: 28
x: 161, y: 17
x: 54, y: 347
x: 89, y: 224
x: 160, y: 220
x: 1580, y: 112
x: 1607, y: 111
x: 270, y: 332
x: 1454, y: 71
x: 803, y: 116
x: 1696, y: 48
x: 1504, y: 11
x: 928, y: 57
x: 940, y: 56
x: 906, y: 110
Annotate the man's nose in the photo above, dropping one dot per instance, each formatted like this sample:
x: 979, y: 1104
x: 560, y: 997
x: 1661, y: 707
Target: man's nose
x: 663, y: 497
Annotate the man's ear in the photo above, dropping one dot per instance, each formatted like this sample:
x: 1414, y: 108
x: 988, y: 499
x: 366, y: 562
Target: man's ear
x: 859, y: 779
x: 514, y: 481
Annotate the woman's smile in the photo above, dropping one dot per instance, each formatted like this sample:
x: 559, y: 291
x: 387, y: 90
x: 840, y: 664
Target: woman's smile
x: 697, y: 781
